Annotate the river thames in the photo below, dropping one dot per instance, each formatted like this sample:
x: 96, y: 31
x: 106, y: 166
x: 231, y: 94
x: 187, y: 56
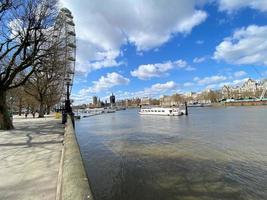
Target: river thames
x: 213, y: 153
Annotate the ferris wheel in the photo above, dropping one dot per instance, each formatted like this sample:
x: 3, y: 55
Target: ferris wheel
x: 66, y: 38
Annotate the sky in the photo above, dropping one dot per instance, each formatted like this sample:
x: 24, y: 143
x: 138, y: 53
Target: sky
x: 150, y: 48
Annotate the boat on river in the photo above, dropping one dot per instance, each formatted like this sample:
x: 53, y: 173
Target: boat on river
x: 196, y: 104
x: 171, y: 111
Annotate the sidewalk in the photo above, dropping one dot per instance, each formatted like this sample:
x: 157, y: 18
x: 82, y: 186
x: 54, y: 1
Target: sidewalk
x: 30, y: 159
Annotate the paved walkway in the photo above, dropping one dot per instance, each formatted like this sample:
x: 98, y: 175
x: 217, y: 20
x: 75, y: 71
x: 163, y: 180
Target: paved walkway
x: 30, y: 158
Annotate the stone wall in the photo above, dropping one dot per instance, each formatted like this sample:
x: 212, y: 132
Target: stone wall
x: 246, y: 103
x: 74, y: 183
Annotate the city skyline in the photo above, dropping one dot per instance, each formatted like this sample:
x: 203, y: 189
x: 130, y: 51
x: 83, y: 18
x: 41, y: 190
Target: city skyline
x: 248, y: 89
x: 146, y: 48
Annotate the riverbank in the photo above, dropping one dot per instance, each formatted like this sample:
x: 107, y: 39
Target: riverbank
x: 252, y: 102
x: 30, y: 158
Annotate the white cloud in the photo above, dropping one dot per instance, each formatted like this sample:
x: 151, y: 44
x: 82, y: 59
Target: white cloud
x: 157, y: 90
x: 218, y: 81
x: 232, y: 5
x: 109, y: 81
x: 210, y: 79
x: 148, y: 71
x: 235, y: 82
x: 199, y: 59
x: 190, y: 68
x: 105, y: 27
x: 239, y: 81
x: 98, y: 59
x: 79, y: 79
x: 240, y: 74
x: 154, y: 91
x: 80, y: 99
x: 247, y: 46
x: 104, y: 83
x: 164, y: 86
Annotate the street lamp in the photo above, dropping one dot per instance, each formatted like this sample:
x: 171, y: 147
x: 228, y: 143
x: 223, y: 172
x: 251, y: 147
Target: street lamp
x: 67, y: 101
x: 67, y: 110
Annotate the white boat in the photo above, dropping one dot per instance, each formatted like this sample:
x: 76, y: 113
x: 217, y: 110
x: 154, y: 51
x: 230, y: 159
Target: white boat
x: 162, y: 111
x: 83, y: 113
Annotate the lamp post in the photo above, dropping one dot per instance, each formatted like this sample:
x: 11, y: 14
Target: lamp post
x: 67, y: 101
x: 68, y: 110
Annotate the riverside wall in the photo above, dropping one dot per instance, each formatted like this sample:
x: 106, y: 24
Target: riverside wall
x: 246, y: 103
x: 74, y: 184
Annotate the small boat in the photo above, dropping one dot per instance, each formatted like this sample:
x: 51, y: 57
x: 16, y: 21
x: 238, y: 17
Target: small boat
x: 162, y: 111
x: 199, y: 105
x: 109, y: 110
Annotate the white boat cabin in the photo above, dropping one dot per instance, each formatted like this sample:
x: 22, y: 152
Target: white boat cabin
x: 161, y: 111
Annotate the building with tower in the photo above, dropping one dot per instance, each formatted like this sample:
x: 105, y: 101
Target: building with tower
x: 94, y: 100
x: 112, y: 100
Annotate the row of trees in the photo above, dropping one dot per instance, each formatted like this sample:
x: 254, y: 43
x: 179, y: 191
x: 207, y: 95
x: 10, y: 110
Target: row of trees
x: 176, y: 99
x: 30, y: 69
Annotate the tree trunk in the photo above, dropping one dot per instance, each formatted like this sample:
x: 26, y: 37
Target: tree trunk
x: 5, y: 120
x: 41, y: 110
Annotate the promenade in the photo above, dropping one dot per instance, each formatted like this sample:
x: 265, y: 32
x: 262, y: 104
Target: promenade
x: 30, y: 159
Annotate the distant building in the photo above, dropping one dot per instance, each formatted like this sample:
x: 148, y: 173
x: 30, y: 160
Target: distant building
x: 121, y: 103
x: 250, y: 88
x: 95, y: 100
x: 198, y: 97
x: 112, y: 99
x: 191, y: 97
x: 145, y: 101
x: 174, y: 100
x: 134, y: 102
x: 226, y: 92
x: 166, y: 101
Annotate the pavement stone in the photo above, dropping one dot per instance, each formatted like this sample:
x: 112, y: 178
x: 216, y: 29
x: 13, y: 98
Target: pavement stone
x: 30, y: 159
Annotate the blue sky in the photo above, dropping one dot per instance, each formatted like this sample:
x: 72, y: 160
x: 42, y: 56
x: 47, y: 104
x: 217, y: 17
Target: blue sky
x: 138, y: 48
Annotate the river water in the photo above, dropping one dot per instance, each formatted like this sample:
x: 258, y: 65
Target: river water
x: 213, y: 153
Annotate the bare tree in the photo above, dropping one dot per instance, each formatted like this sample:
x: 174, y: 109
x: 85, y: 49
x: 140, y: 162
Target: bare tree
x: 4, y: 6
x: 177, y: 98
x: 45, y: 84
x: 19, y: 98
x: 53, y: 97
x: 24, y: 25
x: 154, y: 102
